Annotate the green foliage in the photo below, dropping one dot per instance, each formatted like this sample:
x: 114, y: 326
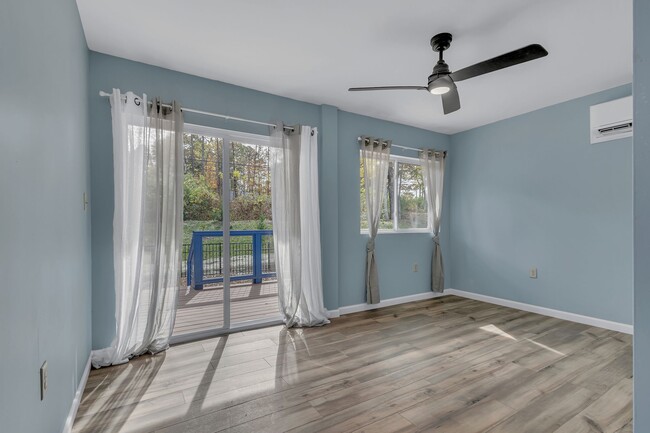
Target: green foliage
x: 250, y: 188
x: 200, y: 202
x: 409, y: 204
x: 247, y: 207
x: 261, y: 223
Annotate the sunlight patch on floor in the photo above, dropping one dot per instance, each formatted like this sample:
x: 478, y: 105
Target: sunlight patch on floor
x: 495, y: 330
x: 217, y: 397
x: 543, y: 346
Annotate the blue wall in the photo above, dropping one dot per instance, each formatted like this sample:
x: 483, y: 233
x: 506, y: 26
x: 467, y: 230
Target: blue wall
x: 641, y: 216
x: 44, y: 230
x: 532, y: 191
x: 343, y: 246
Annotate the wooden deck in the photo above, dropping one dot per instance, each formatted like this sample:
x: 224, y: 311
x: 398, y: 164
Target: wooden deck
x: 445, y: 365
x: 202, y: 310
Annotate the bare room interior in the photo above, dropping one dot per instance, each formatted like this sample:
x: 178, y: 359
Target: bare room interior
x: 283, y: 216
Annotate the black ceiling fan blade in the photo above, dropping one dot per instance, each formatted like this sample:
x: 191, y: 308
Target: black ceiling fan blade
x: 362, y: 89
x: 450, y: 100
x: 525, y: 54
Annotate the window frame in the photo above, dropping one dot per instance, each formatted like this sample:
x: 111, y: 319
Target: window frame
x: 395, y: 159
x: 231, y: 135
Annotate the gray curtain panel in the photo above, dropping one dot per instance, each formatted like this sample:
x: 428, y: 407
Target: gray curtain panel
x: 375, y: 154
x: 433, y: 173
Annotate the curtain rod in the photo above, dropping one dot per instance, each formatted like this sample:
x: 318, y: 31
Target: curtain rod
x: 444, y: 152
x: 207, y: 113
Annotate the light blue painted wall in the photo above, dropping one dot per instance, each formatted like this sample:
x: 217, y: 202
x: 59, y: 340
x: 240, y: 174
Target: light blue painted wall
x: 44, y: 231
x: 395, y: 253
x: 328, y: 160
x: 641, y: 216
x: 342, y: 243
x: 532, y: 191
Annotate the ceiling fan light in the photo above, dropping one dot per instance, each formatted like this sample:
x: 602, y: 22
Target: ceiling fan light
x: 440, y: 90
x: 440, y: 85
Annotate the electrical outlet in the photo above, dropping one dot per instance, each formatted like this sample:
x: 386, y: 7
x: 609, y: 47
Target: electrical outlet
x: 43, y: 380
x: 415, y: 267
x: 533, y: 273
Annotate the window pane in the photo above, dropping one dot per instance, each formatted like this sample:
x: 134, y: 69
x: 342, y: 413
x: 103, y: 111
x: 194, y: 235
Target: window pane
x: 202, y: 183
x: 364, y: 206
x: 412, y: 210
x: 386, y: 220
x: 250, y: 187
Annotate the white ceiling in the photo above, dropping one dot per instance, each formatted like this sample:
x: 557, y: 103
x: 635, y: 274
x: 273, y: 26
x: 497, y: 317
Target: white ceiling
x: 313, y: 50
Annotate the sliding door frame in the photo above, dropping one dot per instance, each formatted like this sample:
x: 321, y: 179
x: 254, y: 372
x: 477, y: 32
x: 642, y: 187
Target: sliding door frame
x: 227, y: 137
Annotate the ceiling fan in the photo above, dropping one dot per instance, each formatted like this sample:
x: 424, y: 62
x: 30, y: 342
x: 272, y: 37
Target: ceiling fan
x: 442, y: 80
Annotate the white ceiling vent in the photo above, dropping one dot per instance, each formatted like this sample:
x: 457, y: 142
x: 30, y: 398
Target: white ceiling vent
x: 611, y: 120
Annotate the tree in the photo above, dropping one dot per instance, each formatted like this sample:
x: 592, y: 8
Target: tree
x: 249, y: 176
x: 388, y: 210
x: 199, y: 200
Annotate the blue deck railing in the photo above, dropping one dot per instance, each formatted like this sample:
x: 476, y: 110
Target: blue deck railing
x: 251, y: 257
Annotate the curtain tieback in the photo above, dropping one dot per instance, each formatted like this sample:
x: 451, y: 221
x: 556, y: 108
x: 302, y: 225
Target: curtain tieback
x: 436, y: 239
x: 370, y: 246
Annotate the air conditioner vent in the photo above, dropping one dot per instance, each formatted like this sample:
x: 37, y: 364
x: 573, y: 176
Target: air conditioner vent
x: 611, y: 120
x: 615, y: 129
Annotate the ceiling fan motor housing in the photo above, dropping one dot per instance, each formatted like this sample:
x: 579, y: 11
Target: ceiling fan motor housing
x: 440, y: 70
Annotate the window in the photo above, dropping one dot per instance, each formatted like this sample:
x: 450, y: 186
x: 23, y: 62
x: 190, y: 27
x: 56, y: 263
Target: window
x: 404, y: 208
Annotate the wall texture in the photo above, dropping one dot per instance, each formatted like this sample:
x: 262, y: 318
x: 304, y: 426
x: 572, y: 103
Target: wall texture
x: 641, y: 216
x: 343, y: 247
x: 532, y: 191
x: 44, y: 231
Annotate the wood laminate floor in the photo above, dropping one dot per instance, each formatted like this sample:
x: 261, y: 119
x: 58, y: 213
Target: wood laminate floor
x: 442, y: 365
x: 202, y: 310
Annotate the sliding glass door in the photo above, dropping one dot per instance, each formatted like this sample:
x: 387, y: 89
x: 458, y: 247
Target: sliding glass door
x: 203, y: 295
x: 228, y: 266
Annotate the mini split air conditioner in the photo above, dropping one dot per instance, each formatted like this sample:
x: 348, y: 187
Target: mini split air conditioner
x: 611, y: 120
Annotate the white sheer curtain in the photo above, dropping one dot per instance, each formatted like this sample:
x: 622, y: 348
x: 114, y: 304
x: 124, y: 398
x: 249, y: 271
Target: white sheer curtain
x: 375, y: 154
x: 296, y: 225
x: 433, y: 173
x: 147, y: 225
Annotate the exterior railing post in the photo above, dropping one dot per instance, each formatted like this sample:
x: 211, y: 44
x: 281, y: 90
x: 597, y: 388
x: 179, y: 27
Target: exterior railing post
x: 257, y: 258
x: 197, y: 266
x: 188, y: 266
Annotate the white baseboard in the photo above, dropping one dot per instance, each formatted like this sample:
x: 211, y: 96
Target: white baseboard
x: 349, y: 309
x: 573, y: 317
x: 77, y: 399
x: 333, y: 314
x: 587, y: 320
